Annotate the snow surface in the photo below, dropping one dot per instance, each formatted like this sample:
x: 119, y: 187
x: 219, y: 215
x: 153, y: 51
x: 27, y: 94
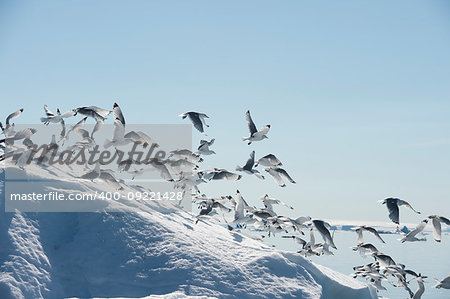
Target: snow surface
x: 147, y: 249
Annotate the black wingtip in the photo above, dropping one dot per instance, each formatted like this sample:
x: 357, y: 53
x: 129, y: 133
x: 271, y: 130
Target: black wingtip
x: 21, y: 110
x: 115, y: 105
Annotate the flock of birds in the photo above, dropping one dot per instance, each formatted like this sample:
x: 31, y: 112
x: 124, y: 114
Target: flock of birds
x: 181, y: 167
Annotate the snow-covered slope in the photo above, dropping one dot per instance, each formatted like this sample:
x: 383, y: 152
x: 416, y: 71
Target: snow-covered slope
x: 147, y: 249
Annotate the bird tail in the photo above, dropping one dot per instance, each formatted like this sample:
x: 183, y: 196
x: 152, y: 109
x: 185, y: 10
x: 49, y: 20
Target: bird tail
x: 44, y: 119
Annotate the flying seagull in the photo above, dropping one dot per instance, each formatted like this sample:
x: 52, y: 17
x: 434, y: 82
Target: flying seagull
x: 197, y: 119
x: 255, y: 135
x: 392, y: 205
x: 185, y: 154
x: 95, y: 112
x: 437, y: 226
x: 411, y: 236
x: 269, y: 161
x: 268, y: 202
x: 365, y: 249
x: 73, y: 128
x: 25, y: 133
x: 383, y: 260
x: 248, y: 167
x: 276, y: 174
x: 359, y: 230
x: 120, y: 138
x: 220, y: 174
x: 8, y: 130
x: 52, y: 118
x: 323, y: 227
x: 203, y: 149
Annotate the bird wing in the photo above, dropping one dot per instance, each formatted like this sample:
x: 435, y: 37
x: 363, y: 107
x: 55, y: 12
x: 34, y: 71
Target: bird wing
x: 251, y: 124
x: 360, y: 235
x: 13, y: 115
x: 445, y: 220
x: 436, y: 229
x: 118, y: 116
x: 196, y: 121
x: 250, y: 162
x: 285, y: 174
x: 374, y: 232
x: 119, y: 130
x: 63, y: 130
x: 82, y: 133
x: 393, y: 211
x: 417, y: 230
x: 24, y: 133
x: 273, y: 159
x: 97, y: 127
x: 67, y: 113
x: 276, y: 176
x: 324, y: 232
x: 226, y: 175
x: 48, y: 112
x: 265, y: 129
x: 101, y: 112
x: 221, y: 207
x: 133, y: 136
x: 145, y: 138
x: 409, y: 206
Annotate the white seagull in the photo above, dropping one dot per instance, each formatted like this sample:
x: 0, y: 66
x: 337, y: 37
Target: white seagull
x: 120, y: 138
x: 323, y: 229
x: 52, y: 118
x: 269, y: 161
x: 255, y: 135
x: 411, y: 236
x: 197, y: 119
x: 25, y: 133
x: 248, y: 167
x: 95, y: 112
x: 392, y: 206
x: 359, y: 230
x: 185, y: 154
x: 437, y: 226
x: 203, y: 149
x: 220, y: 174
x: 8, y: 129
x: 276, y: 172
x: 73, y: 128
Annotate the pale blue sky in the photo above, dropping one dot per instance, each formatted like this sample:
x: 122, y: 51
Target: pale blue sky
x: 357, y: 92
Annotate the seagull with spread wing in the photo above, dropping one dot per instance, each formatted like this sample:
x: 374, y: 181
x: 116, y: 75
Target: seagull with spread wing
x: 276, y: 173
x: 359, y: 230
x: 392, y: 205
x: 8, y: 129
x: 255, y: 135
x: 437, y: 220
x: 197, y: 119
x: 52, y: 118
x: 248, y: 167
